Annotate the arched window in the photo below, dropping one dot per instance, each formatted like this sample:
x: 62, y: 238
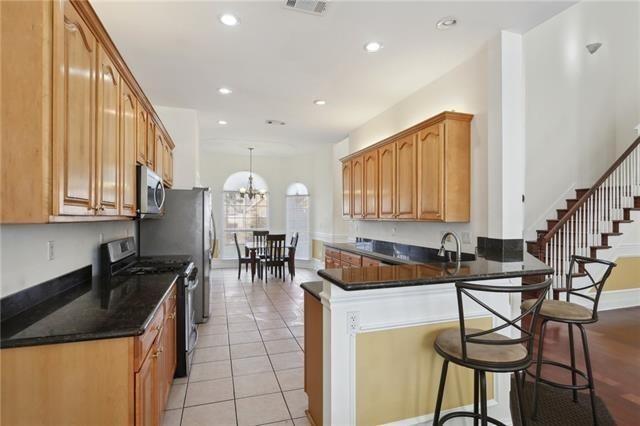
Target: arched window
x: 243, y: 215
x: 298, y: 217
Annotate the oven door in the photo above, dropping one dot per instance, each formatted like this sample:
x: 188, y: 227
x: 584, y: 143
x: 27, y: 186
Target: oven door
x: 151, y: 193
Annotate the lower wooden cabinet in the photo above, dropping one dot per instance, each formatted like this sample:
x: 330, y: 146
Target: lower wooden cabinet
x: 121, y: 381
x: 338, y: 259
x: 313, y: 356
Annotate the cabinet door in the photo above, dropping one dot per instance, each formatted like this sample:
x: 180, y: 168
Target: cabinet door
x: 346, y: 189
x: 357, y: 185
x: 128, y: 149
x: 151, y: 143
x: 431, y: 172
x: 146, y: 391
x: 158, y: 152
x: 387, y: 178
x: 108, y: 138
x: 141, y: 136
x: 169, y: 351
x: 371, y: 184
x: 165, y: 162
x: 170, y: 167
x: 406, y: 177
x: 74, y: 115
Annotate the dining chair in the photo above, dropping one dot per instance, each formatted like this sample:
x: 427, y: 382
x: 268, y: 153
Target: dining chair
x: 290, y: 258
x: 488, y: 350
x: 274, y: 257
x: 246, y: 260
x: 260, y: 240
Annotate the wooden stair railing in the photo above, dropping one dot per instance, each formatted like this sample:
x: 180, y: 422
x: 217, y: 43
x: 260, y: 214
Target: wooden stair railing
x: 584, y: 227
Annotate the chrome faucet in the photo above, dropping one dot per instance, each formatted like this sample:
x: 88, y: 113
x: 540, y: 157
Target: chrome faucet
x: 445, y: 237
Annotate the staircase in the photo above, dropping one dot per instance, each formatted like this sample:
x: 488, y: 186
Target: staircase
x: 590, y: 219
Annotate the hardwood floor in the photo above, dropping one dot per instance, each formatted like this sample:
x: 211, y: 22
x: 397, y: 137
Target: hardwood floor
x: 614, y: 346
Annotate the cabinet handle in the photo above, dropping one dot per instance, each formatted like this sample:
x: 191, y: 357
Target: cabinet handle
x: 157, y: 353
x: 172, y: 315
x: 159, y: 328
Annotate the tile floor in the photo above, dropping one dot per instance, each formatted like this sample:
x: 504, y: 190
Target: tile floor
x: 248, y: 364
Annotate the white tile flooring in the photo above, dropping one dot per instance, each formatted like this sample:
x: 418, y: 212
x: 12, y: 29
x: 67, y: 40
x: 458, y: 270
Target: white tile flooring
x: 248, y: 364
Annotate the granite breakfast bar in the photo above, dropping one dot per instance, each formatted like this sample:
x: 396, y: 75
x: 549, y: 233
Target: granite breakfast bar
x: 379, y: 325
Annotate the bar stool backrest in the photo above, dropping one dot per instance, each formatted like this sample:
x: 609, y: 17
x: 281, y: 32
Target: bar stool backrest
x: 464, y: 289
x: 260, y: 240
x: 581, y: 262
x: 275, y: 247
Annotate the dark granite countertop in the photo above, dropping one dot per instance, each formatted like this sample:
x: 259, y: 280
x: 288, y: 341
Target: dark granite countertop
x: 95, y: 309
x: 433, y: 273
x: 394, y: 253
x: 313, y: 288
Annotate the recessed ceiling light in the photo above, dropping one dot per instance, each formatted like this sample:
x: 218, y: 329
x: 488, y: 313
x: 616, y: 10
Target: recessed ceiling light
x: 275, y: 122
x: 446, y: 23
x: 320, y: 102
x: 372, y: 46
x: 229, y: 20
x: 225, y: 91
x: 222, y: 122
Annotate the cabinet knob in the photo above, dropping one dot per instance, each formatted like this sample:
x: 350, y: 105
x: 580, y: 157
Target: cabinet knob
x: 173, y: 315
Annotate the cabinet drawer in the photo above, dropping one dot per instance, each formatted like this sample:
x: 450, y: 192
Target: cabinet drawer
x: 367, y: 261
x: 170, y: 302
x: 143, y: 343
x: 353, y: 259
x: 332, y: 253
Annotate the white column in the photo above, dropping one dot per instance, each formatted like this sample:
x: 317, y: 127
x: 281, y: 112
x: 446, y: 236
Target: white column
x: 506, y: 164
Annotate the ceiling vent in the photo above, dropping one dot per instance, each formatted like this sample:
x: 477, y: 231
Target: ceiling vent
x: 314, y: 7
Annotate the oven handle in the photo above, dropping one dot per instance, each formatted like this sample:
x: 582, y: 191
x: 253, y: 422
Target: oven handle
x: 192, y: 286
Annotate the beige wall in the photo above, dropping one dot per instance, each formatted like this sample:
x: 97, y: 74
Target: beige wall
x: 625, y: 276
x: 398, y: 371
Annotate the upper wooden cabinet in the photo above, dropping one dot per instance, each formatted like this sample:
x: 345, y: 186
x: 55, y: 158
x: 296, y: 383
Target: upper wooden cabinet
x: 370, y: 160
x: 346, y: 188
x: 128, y: 150
x: 158, y: 152
x: 78, y: 120
x: 406, y: 177
x: 357, y: 186
x: 108, y: 137
x: 74, y: 115
x: 422, y: 173
x: 141, y: 134
x: 387, y: 180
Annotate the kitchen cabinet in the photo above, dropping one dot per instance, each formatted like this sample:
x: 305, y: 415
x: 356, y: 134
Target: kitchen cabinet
x: 357, y: 186
x: 151, y: 145
x: 141, y: 134
x: 146, y: 404
x: 107, y: 147
x: 128, y: 148
x: 158, y: 151
x: 431, y: 172
x: 342, y: 259
x: 387, y: 180
x: 77, y: 119
x: 313, y: 341
x: 74, y: 115
x: 346, y: 188
x: 406, y: 196
x: 370, y: 195
x: 423, y: 174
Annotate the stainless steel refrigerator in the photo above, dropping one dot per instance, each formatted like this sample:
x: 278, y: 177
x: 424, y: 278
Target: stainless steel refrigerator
x: 187, y: 227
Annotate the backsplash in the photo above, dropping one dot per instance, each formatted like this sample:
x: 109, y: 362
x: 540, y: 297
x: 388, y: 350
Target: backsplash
x: 24, y: 253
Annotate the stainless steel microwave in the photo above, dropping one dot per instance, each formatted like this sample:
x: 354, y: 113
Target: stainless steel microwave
x: 151, y: 193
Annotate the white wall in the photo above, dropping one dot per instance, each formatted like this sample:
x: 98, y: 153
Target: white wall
x: 463, y: 89
x: 581, y: 109
x: 313, y: 170
x: 182, y: 125
x: 23, y: 250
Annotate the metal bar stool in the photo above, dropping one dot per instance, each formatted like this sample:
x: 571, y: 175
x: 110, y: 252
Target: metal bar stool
x: 571, y: 314
x: 487, y: 350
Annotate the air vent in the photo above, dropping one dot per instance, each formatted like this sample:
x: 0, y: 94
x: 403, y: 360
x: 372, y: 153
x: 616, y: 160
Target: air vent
x: 314, y: 7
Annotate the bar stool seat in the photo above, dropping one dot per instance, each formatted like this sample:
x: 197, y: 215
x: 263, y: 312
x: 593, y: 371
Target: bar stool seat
x: 448, y: 343
x: 559, y: 310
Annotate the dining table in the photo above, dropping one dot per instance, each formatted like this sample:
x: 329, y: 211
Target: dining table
x: 252, y: 248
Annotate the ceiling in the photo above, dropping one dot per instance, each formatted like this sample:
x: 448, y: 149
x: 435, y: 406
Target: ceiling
x: 277, y: 61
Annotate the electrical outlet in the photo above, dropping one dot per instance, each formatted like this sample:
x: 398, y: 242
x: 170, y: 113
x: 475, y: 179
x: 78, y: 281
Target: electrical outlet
x: 100, y: 238
x: 51, y: 254
x: 466, y: 237
x: 353, y: 322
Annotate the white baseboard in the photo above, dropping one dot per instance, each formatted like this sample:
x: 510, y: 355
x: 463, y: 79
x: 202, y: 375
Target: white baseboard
x: 427, y: 419
x: 618, y: 299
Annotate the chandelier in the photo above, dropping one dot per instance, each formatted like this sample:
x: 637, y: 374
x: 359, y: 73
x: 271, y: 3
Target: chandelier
x: 250, y: 191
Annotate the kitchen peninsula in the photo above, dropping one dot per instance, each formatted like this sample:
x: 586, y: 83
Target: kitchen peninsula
x: 380, y: 322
